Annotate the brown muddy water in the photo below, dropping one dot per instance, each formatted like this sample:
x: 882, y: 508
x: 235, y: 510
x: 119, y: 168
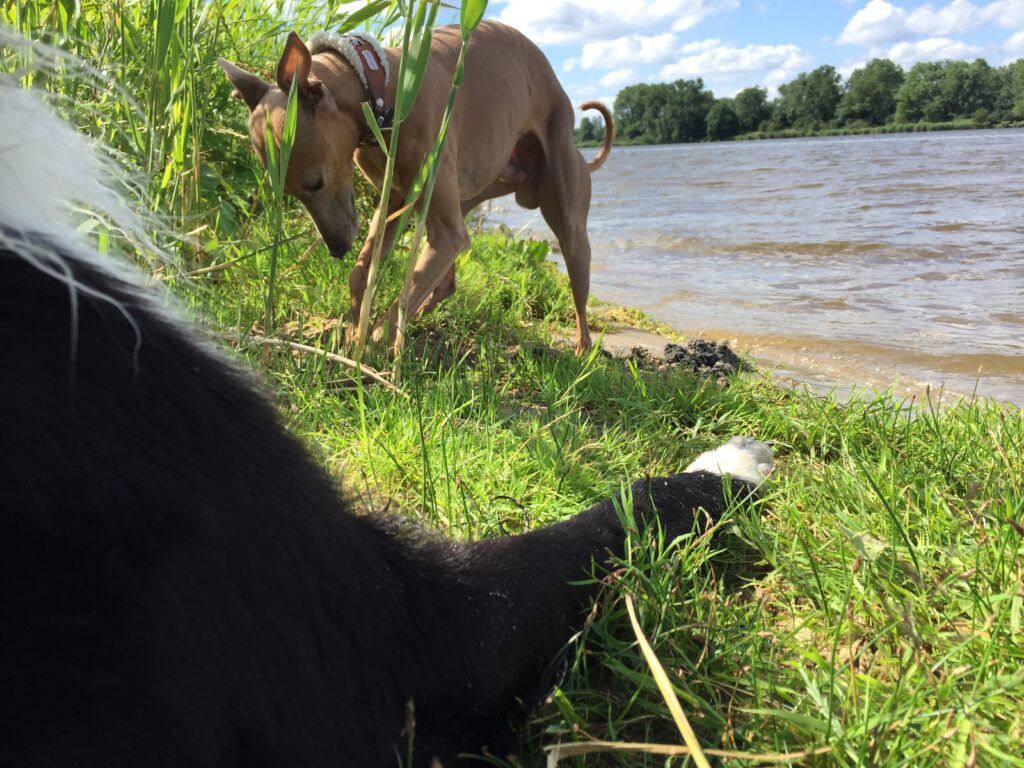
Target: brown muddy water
x: 850, y: 262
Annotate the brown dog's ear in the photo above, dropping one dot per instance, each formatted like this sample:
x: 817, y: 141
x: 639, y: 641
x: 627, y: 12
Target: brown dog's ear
x: 248, y: 87
x: 296, y: 60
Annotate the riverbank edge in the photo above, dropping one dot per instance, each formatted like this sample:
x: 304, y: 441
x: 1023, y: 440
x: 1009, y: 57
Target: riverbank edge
x: 797, y: 133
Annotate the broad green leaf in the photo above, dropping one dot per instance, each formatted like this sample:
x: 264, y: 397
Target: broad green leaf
x: 414, y: 65
x: 472, y: 12
x: 271, y: 158
x: 164, y: 29
x: 288, y: 132
x: 354, y: 19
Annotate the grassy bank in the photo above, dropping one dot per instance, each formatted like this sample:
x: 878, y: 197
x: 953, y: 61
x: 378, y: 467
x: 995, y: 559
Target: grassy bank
x: 873, y: 130
x: 870, y: 605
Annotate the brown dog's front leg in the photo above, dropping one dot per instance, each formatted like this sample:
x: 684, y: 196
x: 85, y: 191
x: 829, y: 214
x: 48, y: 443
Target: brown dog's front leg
x: 442, y: 291
x: 435, y: 265
x: 446, y: 239
x: 358, y: 275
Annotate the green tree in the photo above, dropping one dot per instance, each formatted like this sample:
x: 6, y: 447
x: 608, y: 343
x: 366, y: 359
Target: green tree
x: 591, y: 129
x: 777, y: 119
x: 752, y: 108
x: 812, y: 98
x: 664, y: 113
x: 1010, y: 96
x: 636, y: 111
x: 722, y: 121
x: 921, y: 95
x: 684, y: 117
x: 871, y: 93
x: 661, y: 121
x: 969, y: 88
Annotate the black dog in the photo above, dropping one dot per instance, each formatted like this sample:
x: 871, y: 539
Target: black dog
x: 182, y: 584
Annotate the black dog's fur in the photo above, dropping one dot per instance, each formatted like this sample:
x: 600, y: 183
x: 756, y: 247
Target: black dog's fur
x: 182, y: 585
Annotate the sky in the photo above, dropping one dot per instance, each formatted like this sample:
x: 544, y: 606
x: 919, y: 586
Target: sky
x: 598, y: 47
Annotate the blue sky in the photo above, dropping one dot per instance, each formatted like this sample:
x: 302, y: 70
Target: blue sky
x: 600, y: 46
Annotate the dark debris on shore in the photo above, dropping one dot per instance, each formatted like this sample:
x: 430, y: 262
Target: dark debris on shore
x: 699, y: 356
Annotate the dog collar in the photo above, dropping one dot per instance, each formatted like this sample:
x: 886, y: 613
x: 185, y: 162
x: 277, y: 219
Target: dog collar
x: 366, y: 56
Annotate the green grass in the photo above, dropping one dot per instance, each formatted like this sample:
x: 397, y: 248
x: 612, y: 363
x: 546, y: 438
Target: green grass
x: 966, y: 124
x: 871, y: 604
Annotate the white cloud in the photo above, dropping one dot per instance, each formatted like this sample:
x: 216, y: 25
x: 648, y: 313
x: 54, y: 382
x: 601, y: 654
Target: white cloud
x: 933, y: 49
x: 583, y: 91
x: 628, y: 50
x: 708, y: 59
x: 570, y: 64
x: 877, y: 22
x: 847, y: 69
x: 700, y: 46
x: 773, y: 79
x: 726, y: 61
x: 576, y: 21
x: 958, y: 17
x: 690, y: 14
x: 882, y: 22
x: 619, y: 78
x: 1008, y: 14
x: 1015, y: 45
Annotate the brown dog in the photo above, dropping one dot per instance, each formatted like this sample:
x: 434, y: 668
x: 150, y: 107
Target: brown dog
x: 511, y: 131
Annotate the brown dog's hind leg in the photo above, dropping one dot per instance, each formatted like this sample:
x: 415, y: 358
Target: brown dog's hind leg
x: 527, y: 166
x: 565, y: 201
x: 576, y: 252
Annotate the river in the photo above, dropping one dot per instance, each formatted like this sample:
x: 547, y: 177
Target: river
x: 891, y: 261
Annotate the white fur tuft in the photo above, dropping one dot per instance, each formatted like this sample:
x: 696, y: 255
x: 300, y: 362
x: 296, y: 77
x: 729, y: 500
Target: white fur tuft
x: 743, y: 458
x: 52, y: 178
x: 47, y: 169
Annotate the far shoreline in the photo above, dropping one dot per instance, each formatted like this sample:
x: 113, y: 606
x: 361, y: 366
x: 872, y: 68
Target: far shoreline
x: 797, y: 133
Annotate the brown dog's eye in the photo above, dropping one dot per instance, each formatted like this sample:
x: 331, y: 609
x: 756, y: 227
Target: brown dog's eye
x: 316, y: 186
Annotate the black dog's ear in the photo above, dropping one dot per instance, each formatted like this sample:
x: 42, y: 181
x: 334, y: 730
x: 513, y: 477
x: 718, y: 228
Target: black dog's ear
x: 248, y: 87
x: 295, y: 61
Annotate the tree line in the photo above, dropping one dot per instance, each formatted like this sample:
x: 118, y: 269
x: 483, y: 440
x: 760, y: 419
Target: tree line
x: 878, y: 94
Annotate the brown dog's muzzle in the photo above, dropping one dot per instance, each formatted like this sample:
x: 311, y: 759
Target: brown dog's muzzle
x: 337, y: 222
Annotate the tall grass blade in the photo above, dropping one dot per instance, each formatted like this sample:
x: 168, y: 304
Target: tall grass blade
x: 428, y: 172
x: 277, y: 169
x: 665, y: 686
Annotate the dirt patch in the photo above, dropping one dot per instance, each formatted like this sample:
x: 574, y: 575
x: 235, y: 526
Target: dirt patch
x: 650, y: 351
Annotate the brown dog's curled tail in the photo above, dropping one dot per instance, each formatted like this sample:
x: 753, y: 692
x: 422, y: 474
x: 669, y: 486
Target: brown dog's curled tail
x: 609, y: 133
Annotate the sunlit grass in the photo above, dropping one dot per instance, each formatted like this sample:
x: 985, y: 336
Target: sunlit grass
x: 872, y: 603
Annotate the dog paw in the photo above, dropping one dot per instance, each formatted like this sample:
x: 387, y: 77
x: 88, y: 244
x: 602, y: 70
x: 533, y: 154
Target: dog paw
x: 743, y: 458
